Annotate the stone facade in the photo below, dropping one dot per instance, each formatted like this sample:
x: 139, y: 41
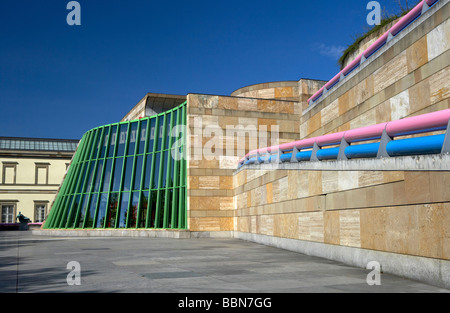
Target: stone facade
x: 407, y: 77
x: 222, y: 129
x: 403, y: 212
x: 30, y: 177
x: 390, y: 211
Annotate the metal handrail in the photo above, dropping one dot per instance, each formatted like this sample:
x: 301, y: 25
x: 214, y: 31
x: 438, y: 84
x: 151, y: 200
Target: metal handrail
x: 386, y: 147
x: 412, y: 15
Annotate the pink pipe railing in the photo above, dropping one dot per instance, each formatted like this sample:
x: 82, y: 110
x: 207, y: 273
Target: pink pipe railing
x: 361, y: 134
x: 408, y: 18
x: 330, y: 139
x: 407, y: 126
x: 402, y: 23
x: 376, y: 45
x: 417, y: 124
x: 333, y: 81
x: 351, y: 65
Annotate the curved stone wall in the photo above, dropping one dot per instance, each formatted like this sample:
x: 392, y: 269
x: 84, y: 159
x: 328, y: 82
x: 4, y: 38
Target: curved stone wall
x: 286, y: 90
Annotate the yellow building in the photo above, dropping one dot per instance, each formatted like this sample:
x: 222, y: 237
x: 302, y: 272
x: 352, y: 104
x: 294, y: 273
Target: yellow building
x: 31, y: 171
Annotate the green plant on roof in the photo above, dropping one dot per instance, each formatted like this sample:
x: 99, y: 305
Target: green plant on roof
x: 386, y: 18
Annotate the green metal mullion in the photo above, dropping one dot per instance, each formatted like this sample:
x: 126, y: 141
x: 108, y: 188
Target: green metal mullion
x: 74, y: 167
x: 87, y: 158
x: 169, y: 167
x: 82, y: 170
x: 181, y: 201
x: 55, y: 213
x: 136, y: 147
x: 144, y: 161
x: 63, y: 223
x: 175, y: 204
x: 103, y: 172
x: 152, y: 169
x: 161, y: 165
x: 111, y: 177
x: 71, y: 183
x: 85, y: 194
x: 119, y: 200
x: 94, y: 171
x: 180, y: 178
x: 66, y: 186
x: 183, y: 179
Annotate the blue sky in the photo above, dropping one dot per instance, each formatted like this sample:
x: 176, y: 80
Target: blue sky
x: 59, y: 81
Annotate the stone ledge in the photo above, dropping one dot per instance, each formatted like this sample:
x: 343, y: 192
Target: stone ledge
x: 433, y: 162
x: 212, y: 234
x: 148, y: 233
x: 427, y: 270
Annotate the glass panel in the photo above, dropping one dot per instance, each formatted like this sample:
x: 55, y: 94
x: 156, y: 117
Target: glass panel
x: 117, y: 174
x: 156, y: 169
x: 91, y: 211
x: 128, y: 172
x: 181, y: 212
x: 122, y: 139
x: 132, y: 138
x: 148, y: 168
x: 105, y: 142
x: 112, y: 210
x: 96, y: 144
x: 168, y: 209
x: 152, y: 135
x: 61, y: 206
x: 172, y: 170
x: 102, y: 210
x: 83, y: 174
x: 107, y: 175
x: 143, y: 134
x: 138, y: 173
x: 168, y: 126
x: 134, y: 209
x: 144, y: 207
x: 68, y: 207
x: 152, y: 208
x: 174, y: 124
x: 161, y: 198
x: 7, y: 213
x: 89, y: 181
x: 160, y: 132
x: 160, y: 214
x: 80, y: 221
x: 124, y: 210
x: 112, y: 142
x: 73, y: 212
x: 175, y: 203
x: 164, y: 169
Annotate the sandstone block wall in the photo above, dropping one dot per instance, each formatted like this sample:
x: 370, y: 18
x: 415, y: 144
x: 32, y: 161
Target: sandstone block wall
x: 210, y: 175
x: 407, y: 77
x: 405, y: 212
x: 288, y: 90
x: 399, y: 212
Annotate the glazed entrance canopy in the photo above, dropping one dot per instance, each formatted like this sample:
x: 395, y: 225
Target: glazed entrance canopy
x: 126, y: 175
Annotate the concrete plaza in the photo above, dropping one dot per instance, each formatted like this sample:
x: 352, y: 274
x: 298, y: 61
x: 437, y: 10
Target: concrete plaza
x: 31, y: 263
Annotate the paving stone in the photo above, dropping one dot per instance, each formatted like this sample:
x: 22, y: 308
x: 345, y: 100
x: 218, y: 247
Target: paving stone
x: 30, y: 263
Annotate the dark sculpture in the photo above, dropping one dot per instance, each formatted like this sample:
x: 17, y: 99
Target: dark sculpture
x: 23, y: 219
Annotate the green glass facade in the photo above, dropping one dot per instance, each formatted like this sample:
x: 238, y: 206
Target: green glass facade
x: 126, y: 175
